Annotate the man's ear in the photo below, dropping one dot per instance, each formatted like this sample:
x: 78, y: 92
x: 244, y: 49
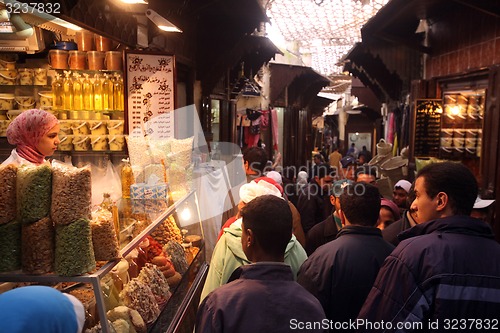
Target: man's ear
x: 316, y: 178
x: 442, y: 201
x: 342, y: 216
x: 332, y: 200
x: 250, y: 238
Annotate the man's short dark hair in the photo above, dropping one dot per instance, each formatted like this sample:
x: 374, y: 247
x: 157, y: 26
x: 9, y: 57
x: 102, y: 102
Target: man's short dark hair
x: 454, y: 179
x: 256, y: 158
x: 270, y: 219
x: 322, y: 170
x: 367, y: 170
x: 360, y: 203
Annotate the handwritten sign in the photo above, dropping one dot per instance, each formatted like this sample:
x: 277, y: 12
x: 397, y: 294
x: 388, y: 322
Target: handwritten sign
x: 150, y: 93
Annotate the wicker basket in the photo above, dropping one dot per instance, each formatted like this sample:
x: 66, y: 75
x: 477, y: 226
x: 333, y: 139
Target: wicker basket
x: 384, y: 148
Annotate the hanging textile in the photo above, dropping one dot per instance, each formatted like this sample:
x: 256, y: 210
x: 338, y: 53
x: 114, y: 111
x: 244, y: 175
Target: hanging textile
x: 252, y: 133
x: 274, y: 123
x: 264, y: 119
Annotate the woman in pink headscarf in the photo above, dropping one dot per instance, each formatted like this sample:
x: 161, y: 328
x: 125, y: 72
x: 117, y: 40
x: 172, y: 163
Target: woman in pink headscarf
x: 35, y: 135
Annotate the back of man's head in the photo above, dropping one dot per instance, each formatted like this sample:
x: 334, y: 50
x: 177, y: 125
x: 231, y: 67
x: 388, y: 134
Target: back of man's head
x: 360, y: 203
x: 270, y: 219
x: 370, y: 170
x: 454, y: 179
x: 323, y: 170
x: 256, y: 158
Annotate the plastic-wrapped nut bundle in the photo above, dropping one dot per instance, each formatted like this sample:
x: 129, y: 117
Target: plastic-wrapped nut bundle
x: 138, y: 296
x: 177, y: 255
x: 10, y: 246
x: 167, y: 231
x: 34, y: 187
x: 154, y: 278
x: 179, y: 181
x: 138, y: 151
x: 154, y: 169
x: 38, y: 247
x: 8, y: 175
x: 71, y: 194
x: 182, y: 151
x: 74, y: 252
x: 104, y: 236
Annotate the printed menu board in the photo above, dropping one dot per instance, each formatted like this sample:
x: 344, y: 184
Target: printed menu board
x: 150, y: 89
x: 427, y: 127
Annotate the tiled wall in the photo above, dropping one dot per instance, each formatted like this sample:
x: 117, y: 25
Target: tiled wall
x: 463, y: 42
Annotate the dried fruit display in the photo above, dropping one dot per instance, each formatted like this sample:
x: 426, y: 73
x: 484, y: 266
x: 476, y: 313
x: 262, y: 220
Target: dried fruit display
x: 8, y: 175
x: 74, y: 253
x: 154, y: 278
x: 138, y: 296
x: 10, y: 246
x: 34, y: 188
x: 176, y: 253
x: 104, y: 238
x: 167, y: 231
x: 71, y: 194
x: 38, y: 247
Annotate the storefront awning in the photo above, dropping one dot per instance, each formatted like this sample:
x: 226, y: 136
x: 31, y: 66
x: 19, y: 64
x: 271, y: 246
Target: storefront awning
x: 301, y: 82
x: 372, y: 71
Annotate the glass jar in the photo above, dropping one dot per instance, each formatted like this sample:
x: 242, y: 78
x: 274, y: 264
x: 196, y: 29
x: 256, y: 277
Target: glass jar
x: 25, y: 76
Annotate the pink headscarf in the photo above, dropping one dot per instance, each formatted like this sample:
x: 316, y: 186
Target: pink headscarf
x: 26, y: 131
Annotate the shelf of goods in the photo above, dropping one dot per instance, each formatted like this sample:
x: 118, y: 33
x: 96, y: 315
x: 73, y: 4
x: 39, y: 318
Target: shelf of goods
x: 89, y: 104
x: 172, y: 309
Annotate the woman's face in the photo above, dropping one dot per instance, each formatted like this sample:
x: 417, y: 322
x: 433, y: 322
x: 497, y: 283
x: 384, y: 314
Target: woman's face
x: 49, y: 142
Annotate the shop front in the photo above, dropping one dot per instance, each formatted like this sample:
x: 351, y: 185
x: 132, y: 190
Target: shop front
x: 446, y: 54
x: 120, y: 227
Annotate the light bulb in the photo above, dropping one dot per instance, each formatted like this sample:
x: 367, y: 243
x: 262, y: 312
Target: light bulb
x: 186, y: 214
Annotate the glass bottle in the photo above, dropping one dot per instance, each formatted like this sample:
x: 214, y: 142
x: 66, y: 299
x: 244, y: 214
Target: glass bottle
x: 127, y: 178
x: 57, y: 89
x: 98, y: 106
x: 107, y: 93
x: 68, y: 91
x: 106, y: 203
x: 77, y: 92
x: 118, y: 93
x: 88, y: 93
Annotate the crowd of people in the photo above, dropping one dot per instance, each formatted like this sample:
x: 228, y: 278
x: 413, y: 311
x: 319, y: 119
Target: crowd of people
x: 415, y: 261
x: 318, y: 250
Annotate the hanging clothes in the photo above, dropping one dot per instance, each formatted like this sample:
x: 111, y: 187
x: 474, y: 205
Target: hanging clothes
x: 252, y: 136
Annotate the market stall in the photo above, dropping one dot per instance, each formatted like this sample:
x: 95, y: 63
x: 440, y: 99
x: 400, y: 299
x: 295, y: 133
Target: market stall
x: 117, y: 224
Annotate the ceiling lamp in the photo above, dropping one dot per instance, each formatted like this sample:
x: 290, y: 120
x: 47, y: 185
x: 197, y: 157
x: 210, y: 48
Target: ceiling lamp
x: 161, y: 22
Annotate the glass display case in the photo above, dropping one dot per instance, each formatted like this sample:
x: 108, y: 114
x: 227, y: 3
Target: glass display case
x: 135, y: 227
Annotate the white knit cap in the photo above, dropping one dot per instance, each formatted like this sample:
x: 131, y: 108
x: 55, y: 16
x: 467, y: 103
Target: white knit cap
x: 252, y: 190
x: 276, y: 176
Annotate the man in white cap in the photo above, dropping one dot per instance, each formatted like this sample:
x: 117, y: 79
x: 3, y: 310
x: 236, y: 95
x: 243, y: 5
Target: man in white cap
x: 481, y: 209
x: 400, y: 194
x: 228, y: 252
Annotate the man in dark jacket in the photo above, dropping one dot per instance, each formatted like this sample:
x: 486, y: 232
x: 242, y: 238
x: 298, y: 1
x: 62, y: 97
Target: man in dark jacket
x: 449, y: 276
x: 262, y: 297
x: 314, y: 200
x: 341, y: 273
x: 327, y: 230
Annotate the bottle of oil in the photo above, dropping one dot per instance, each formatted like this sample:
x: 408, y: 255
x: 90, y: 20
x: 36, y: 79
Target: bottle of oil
x: 118, y: 93
x: 127, y: 178
x: 77, y: 92
x: 68, y: 91
x: 107, y: 94
x: 106, y: 203
x: 88, y: 94
x: 98, y: 105
x: 57, y: 89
